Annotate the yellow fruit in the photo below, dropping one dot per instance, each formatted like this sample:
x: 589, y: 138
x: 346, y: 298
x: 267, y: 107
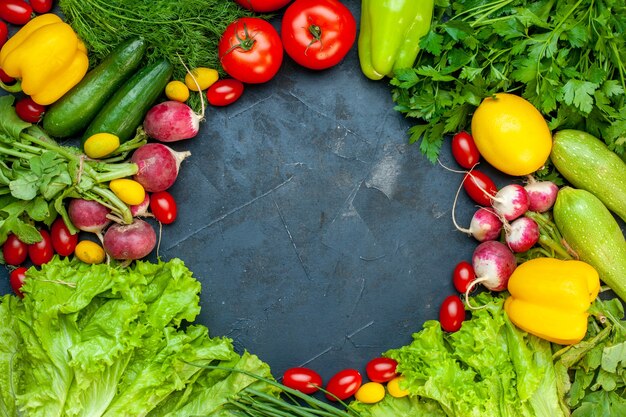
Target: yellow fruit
x: 393, y: 387
x: 204, y: 76
x: 370, y: 393
x: 511, y: 134
x: 100, y: 145
x: 89, y: 252
x: 129, y: 191
x: 177, y: 91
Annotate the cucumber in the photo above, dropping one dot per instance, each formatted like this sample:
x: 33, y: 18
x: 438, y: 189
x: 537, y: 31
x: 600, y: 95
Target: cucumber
x: 125, y: 110
x: 587, y: 163
x: 76, y: 109
x: 593, y: 233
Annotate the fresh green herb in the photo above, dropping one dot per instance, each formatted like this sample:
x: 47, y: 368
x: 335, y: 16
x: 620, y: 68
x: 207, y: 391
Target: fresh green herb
x: 37, y: 174
x: 568, y: 58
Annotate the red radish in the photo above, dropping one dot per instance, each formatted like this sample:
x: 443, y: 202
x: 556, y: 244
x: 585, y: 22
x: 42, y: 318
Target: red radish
x: 129, y: 241
x: 541, y: 194
x: 511, y: 201
x: 141, y: 209
x: 479, y: 187
x: 522, y: 234
x: 171, y: 121
x: 158, y: 166
x: 493, y: 264
x: 88, y: 215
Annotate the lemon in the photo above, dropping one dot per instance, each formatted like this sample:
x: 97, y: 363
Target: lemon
x: 511, y: 134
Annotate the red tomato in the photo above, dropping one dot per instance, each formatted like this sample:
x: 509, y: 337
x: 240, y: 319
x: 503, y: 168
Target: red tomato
x: 17, y: 12
x: 41, y: 6
x: 4, y: 34
x: 381, y: 369
x: 479, y: 187
x: 63, y: 241
x: 163, y: 207
x: 464, y: 150
x: 344, y: 384
x: 318, y: 34
x: 6, y: 78
x: 28, y: 110
x: 14, y: 250
x: 462, y: 276
x: 262, y: 6
x: 451, y: 313
x: 16, y: 278
x: 302, y: 379
x: 250, y: 50
x: 42, y: 251
x: 224, y: 92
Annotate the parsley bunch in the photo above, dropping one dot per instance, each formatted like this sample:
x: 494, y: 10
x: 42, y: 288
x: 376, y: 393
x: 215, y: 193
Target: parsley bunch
x: 567, y: 57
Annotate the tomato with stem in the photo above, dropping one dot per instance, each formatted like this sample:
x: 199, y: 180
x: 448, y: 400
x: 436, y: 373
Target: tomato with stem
x: 28, y: 110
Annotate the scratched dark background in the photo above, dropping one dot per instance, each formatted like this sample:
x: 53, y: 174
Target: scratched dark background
x: 321, y: 237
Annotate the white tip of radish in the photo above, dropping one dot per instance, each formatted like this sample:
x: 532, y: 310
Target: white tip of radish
x: 511, y: 201
x: 171, y: 121
x: 541, y: 195
x: 522, y: 234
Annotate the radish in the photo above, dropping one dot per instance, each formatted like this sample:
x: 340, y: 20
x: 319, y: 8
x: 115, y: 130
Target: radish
x: 522, y: 234
x: 129, y: 241
x: 171, y: 121
x: 158, y: 166
x: 88, y: 215
x: 511, y: 201
x: 485, y: 225
x: 493, y: 265
x: 541, y: 194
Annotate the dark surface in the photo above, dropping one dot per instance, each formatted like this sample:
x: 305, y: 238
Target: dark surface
x: 320, y: 236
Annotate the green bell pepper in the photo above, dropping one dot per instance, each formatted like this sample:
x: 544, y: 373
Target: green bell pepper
x: 390, y: 34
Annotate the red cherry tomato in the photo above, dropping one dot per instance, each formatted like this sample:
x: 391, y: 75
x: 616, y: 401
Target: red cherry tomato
x: 16, y: 278
x: 344, y: 384
x: 462, y: 276
x: 464, y: 150
x: 250, y: 50
x: 41, y: 6
x: 42, y: 251
x: 163, y: 207
x: 28, y: 110
x: 381, y: 369
x: 262, y: 6
x: 4, y: 33
x: 17, y: 12
x: 318, y: 34
x: 479, y: 187
x: 14, y: 250
x: 302, y: 379
x: 224, y: 92
x: 63, y: 242
x: 6, y: 78
x: 451, y: 313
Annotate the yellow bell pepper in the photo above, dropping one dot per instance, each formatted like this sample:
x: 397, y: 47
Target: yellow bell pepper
x: 550, y: 298
x: 46, y: 56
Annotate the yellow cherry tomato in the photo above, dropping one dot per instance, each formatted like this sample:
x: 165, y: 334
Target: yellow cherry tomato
x: 511, y: 134
x: 394, y: 389
x: 129, y: 191
x: 177, y: 91
x: 100, y: 145
x: 370, y: 393
x: 89, y: 252
x: 204, y: 76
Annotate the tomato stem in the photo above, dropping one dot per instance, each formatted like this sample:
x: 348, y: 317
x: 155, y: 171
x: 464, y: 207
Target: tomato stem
x: 316, y: 32
x: 246, y: 43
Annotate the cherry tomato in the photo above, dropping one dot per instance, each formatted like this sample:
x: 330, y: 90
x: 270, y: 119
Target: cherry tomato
x: 224, y: 92
x: 479, y: 187
x: 41, y: 6
x: 16, y: 278
x: 14, y: 250
x: 41, y: 252
x: 17, y: 12
x: 163, y: 207
x: 28, y: 110
x: 302, y: 379
x: 63, y: 241
x: 6, y: 78
x: 318, y: 34
x: 451, y: 313
x: 464, y: 150
x: 381, y: 369
x: 250, y: 50
x: 344, y: 384
x: 4, y: 33
x: 370, y: 393
x: 394, y: 388
x: 462, y: 276
x: 262, y: 6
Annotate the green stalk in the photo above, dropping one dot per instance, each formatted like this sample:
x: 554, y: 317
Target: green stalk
x: 118, y: 205
x: 549, y: 236
x: 116, y: 171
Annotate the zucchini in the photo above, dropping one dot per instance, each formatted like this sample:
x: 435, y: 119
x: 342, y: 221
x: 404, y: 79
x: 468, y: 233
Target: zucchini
x: 593, y: 233
x: 125, y: 110
x: 76, y: 109
x: 587, y: 163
